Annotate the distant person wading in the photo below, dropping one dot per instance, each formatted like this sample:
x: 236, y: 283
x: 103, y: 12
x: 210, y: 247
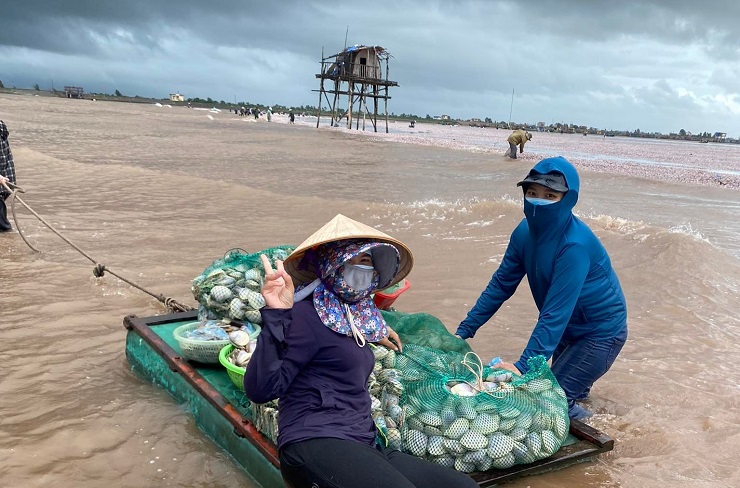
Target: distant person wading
x: 518, y: 138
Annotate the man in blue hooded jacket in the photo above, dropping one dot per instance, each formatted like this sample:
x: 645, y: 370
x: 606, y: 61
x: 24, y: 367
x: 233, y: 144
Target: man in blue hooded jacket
x: 582, y: 322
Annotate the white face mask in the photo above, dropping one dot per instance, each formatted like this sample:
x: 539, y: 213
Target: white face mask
x: 358, y: 276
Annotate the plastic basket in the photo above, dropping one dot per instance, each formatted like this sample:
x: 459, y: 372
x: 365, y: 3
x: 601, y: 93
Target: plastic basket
x: 203, y: 351
x: 194, y: 350
x: 235, y: 372
x: 384, y: 298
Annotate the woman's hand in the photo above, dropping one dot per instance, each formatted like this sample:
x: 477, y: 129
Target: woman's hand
x: 392, y: 341
x: 278, y: 289
x: 509, y: 366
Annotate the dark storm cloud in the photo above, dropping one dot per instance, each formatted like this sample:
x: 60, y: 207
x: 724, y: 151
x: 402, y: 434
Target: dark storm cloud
x: 563, y: 57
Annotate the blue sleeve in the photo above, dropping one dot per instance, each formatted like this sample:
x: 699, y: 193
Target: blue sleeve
x: 285, y: 345
x: 569, y: 275
x: 503, y: 284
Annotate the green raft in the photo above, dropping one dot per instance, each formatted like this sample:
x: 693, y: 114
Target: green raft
x: 222, y: 412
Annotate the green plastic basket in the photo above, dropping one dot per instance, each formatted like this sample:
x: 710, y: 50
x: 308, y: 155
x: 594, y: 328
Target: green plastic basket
x: 202, y: 351
x: 235, y: 372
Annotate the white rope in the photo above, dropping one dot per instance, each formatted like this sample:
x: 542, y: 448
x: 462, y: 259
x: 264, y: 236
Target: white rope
x: 359, y: 336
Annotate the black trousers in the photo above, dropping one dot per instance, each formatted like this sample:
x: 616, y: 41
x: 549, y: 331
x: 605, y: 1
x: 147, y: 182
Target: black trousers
x: 4, y: 222
x: 338, y: 463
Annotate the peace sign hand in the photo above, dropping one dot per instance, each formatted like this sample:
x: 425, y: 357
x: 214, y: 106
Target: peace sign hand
x: 278, y: 289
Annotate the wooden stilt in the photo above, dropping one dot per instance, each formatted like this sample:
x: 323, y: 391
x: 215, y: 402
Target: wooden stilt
x: 361, y: 68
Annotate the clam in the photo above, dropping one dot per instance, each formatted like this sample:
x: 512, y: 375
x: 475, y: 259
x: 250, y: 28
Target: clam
x: 466, y: 411
x: 429, y: 430
x: 503, y: 462
x: 375, y: 404
x: 461, y: 465
x: 485, y: 423
x: 242, y: 358
x: 518, y: 434
x: 253, y: 298
x: 463, y: 389
x: 239, y: 338
x: 416, y: 443
x: 414, y: 424
x: 394, y: 439
x: 386, y: 374
x: 253, y: 316
x: 446, y: 461
x: 394, y: 386
x: 533, y: 441
x: 253, y: 285
x: 237, y: 308
x: 474, y: 457
x: 485, y: 465
x: 379, y: 352
x: 560, y: 424
x: 388, y: 400
x: 389, y: 361
x: 521, y: 453
x: 396, y: 413
x: 221, y: 293
x: 435, y: 445
x: 473, y: 440
x: 448, y: 416
x: 430, y: 418
x: 538, y: 421
x: 499, y: 445
x: 550, y: 443
x: 253, y: 274
x: 453, y: 447
x: 457, y: 428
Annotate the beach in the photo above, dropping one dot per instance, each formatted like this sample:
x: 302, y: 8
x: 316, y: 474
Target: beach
x: 158, y: 193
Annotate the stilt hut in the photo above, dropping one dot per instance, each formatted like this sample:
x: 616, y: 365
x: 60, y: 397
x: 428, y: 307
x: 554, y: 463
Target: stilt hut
x: 360, y: 73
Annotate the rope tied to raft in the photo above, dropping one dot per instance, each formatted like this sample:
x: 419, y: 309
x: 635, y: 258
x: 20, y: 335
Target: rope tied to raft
x: 100, y: 269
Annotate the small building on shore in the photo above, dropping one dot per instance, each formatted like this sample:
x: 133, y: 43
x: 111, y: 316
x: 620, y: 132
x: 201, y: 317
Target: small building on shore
x: 74, y: 92
x: 177, y: 97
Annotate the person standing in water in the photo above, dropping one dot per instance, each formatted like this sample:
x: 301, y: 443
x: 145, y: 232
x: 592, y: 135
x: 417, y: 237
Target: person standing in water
x: 582, y: 323
x: 518, y: 138
x: 7, y: 175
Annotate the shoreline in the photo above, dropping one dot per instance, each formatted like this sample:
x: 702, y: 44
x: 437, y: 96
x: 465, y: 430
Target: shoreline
x: 683, y: 162
x: 620, y: 154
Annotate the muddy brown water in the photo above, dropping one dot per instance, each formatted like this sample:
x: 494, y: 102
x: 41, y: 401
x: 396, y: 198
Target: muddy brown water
x: 158, y: 193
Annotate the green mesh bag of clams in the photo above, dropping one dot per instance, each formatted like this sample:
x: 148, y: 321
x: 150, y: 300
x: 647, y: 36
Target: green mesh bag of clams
x: 446, y: 407
x: 230, y: 287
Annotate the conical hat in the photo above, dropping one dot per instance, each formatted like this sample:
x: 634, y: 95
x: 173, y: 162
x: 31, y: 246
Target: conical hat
x: 337, y: 229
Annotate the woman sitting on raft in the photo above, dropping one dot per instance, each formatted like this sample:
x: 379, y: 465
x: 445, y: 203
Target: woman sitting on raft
x: 313, y: 355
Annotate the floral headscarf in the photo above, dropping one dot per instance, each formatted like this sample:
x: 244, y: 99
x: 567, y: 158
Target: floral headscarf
x: 338, y: 305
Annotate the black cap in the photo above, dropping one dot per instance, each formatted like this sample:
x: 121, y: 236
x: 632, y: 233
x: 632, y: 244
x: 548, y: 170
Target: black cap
x: 553, y: 181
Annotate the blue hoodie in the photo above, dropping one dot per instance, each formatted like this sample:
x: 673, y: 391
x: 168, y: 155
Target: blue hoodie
x: 569, y: 273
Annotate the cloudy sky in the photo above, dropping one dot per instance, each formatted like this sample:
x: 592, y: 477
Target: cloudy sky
x: 652, y: 65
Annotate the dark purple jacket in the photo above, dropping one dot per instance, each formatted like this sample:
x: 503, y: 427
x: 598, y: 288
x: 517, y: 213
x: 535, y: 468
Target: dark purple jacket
x: 318, y: 375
